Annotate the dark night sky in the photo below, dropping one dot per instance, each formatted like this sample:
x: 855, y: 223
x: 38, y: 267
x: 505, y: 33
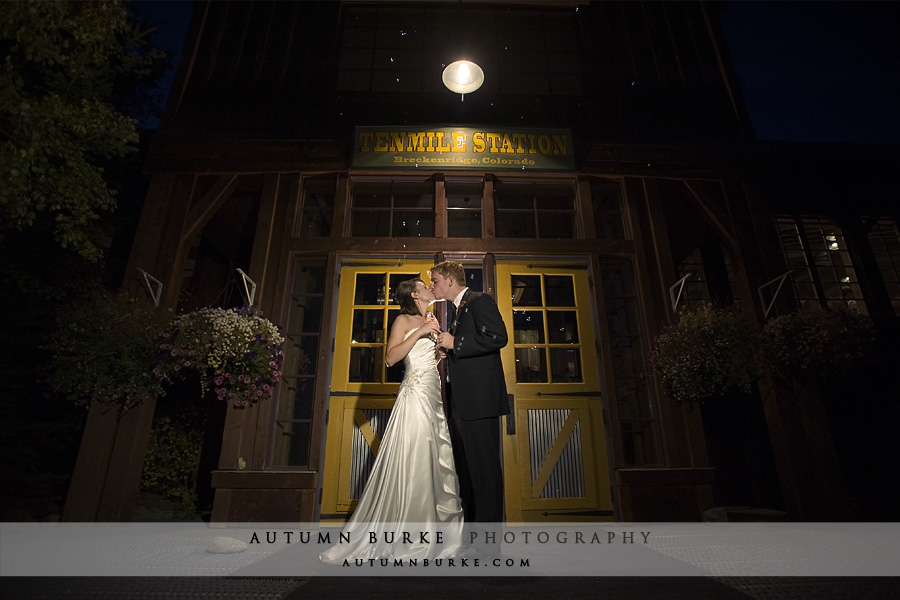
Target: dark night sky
x: 811, y: 71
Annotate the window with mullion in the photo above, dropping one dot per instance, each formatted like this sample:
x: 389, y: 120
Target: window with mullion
x: 316, y: 207
x: 295, y: 394
x: 632, y: 390
x: 392, y: 209
x: 534, y: 210
x: 817, y: 255
x: 884, y: 237
x: 464, y: 208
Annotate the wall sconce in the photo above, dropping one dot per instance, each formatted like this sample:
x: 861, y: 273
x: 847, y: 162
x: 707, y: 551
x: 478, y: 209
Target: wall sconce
x: 463, y: 77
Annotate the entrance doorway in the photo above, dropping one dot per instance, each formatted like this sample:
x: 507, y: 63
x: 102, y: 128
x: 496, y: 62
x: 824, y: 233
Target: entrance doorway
x: 554, y: 451
x: 363, y: 389
x: 554, y: 444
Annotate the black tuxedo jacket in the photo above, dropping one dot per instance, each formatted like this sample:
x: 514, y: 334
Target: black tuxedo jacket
x: 477, y: 385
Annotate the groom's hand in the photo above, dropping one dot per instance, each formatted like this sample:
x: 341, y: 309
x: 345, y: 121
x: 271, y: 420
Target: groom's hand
x: 445, y: 340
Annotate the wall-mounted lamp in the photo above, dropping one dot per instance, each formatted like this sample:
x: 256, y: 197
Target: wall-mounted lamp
x: 463, y: 77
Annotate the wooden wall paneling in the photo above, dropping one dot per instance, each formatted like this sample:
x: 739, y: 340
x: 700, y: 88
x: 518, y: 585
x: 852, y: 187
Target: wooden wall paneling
x: 106, y: 476
x: 267, y: 233
x: 715, y: 214
x: 653, y: 268
x: 123, y: 479
x: 585, y: 209
x: 340, y: 226
x: 152, y: 224
x: 440, y: 207
x: 170, y: 259
x: 487, y: 211
x: 91, y: 467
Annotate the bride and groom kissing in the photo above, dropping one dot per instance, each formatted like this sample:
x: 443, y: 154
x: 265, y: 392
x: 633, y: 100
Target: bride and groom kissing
x: 437, y: 467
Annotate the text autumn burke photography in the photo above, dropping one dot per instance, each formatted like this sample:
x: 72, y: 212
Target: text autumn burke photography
x: 474, y: 537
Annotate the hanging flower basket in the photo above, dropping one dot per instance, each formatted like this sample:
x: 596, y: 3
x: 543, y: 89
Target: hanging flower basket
x: 815, y: 345
x: 103, y: 349
x: 236, y: 352
x: 706, y: 353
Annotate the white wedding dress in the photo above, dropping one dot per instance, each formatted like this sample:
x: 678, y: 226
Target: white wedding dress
x: 413, y: 483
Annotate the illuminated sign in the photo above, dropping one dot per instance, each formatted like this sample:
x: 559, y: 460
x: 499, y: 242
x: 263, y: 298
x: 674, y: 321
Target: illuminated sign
x: 451, y: 147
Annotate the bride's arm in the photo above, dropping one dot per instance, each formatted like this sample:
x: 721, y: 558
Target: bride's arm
x: 397, y: 347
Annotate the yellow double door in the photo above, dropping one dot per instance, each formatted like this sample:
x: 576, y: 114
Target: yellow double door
x: 554, y: 446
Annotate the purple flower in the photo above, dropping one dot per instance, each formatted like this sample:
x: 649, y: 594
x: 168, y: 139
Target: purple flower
x: 259, y: 393
x: 219, y: 380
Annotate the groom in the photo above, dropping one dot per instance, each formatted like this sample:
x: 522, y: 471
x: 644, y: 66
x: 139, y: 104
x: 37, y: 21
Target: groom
x: 476, y: 390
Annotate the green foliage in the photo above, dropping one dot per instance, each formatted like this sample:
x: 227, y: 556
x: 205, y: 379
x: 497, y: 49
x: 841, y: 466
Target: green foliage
x: 172, y: 456
x: 67, y: 69
x: 103, y: 350
x: 816, y: 344
x: 706, y: 353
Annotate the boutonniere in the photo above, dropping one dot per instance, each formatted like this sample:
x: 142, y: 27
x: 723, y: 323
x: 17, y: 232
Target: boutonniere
x: 462, y: 303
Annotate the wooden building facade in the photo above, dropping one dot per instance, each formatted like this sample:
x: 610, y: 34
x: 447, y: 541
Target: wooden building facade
x: 259, y: 165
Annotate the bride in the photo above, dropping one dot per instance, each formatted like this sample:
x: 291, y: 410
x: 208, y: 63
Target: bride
x: 413, y: 481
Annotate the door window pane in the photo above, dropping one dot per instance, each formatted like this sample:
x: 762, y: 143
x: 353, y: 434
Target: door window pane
x: 369, y: 289
x: 365, y: 364
x: 368, y: 326
x: 531, y: 365
x: 526, y: 290
x: 565, y: 365
x: 395, y: 279
x: 528, y: 326
x: 562, y: 326
x: 560, y: 290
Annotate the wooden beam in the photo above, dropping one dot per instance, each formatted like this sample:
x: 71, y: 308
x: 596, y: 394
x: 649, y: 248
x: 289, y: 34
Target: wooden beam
x: 705, y: 204
x: 203, y: 209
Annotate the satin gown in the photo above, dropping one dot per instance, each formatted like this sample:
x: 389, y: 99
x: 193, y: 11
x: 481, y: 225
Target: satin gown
x: 413, y: 483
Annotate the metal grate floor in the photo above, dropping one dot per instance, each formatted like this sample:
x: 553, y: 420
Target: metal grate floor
x: 148, y: 588
x: 815, y: 588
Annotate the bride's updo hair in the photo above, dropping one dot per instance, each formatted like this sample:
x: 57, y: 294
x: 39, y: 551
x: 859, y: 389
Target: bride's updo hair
x: 403, y: 295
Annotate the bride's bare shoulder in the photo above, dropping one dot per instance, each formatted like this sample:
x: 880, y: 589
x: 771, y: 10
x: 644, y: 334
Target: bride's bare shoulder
x: 405, y: 321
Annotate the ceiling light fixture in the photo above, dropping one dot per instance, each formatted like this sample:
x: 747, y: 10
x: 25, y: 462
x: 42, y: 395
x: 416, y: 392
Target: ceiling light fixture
x: 463, y: 77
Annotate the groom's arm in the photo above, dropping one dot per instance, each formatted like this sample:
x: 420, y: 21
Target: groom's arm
x: 490, y: 331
